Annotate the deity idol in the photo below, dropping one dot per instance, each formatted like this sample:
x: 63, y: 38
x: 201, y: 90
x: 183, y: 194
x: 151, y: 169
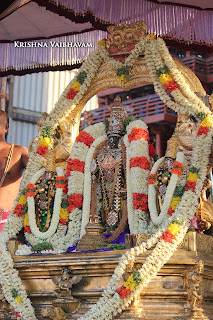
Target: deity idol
x: 182, y: 141
x: 116, y: 171
x: 108, y: 166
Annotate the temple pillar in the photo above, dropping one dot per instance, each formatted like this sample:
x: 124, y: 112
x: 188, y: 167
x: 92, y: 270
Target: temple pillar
x: 158, y: 142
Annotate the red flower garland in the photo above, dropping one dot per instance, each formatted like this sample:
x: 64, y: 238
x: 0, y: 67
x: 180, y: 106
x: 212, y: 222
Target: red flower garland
x: 151, y: 178
x: 170, y: 86
x: 18, y: 211
x: 167, y: 236
x: 151, y: 150
x: 177, y: 168
x: 75, y: 165
x: 190, y: 185
x: 75, y: 201
x: 64, y: 222
x: 85, y: 137
x: 140, y: 201
x: 123, y: 292
x: 141, y: 162
x: 137, y: 134
x: 202, y: 130
x: 170, y: 211
x: 27, y: 229
x: 71, y: 94
x: 42, y: 150
x: 30, y: 190
x: 60, y: 182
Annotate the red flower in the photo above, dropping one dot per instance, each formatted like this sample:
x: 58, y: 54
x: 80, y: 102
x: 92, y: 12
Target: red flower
x: 178, y: 164
x: 42, y: 150
x: 123, y: 292
x: 18, y: 210
x: 138, y: 134
x: 60, y: 182
x: 140, y: 201
x: 75, y: 165
x: 177, y: 171
x: 141, y: 162
x: 167, y: 236
x: 75, y: 201
x: 202, y: 130
x: 27, y: 229
x: 151, y: 178
x: 65, y: 189
x: 30, y: 186
x: 170, y: 211
x: 151, y: 150
x: 190, y: 185
x: 17, y: 315
x: 71, y: 94
x: 64, y: 222
x: 30, y: 194
x: 85, y: 137
x: 170, y: 86
x: 177, y: 168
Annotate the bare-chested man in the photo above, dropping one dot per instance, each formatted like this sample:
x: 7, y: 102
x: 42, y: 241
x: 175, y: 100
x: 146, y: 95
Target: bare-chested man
x: 13, y: 160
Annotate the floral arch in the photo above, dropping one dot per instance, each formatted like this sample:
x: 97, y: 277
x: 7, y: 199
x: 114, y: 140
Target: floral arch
x: 175, y: 84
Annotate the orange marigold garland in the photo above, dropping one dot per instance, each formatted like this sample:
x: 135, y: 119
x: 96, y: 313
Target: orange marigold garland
x: 141, y: 162
x: 137, y: 134
x: 177, y: 168
x: 85, y: 137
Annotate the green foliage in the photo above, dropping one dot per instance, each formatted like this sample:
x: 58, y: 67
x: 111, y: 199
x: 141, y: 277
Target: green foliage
x: 162, y: 70
x: 127, y: 121
x: 155, y: 157
x: 64, y: 203
x: 46, y: 132
x: 177, y: 221
x: 42, y: 246
x: 116, y: 246
x: 137, y: 277
x: 179, y: 190
x: 194, y: 170
x: 123, y: 70
x: 106, y: 123
x: 201, y: 115
x: 81, y: 77
x: 14, y: 293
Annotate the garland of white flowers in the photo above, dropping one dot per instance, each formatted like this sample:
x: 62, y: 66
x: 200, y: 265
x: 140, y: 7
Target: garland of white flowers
x: 136, y: 178
x: 156, y: 55
x: 157, y: 219
x: 87, y: 183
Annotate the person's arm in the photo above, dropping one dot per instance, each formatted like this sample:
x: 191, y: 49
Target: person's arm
x: 24, y: 156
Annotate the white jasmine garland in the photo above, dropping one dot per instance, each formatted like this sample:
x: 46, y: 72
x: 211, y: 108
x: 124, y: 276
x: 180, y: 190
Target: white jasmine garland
x: 157, y: 219
x: 87, y: 183
x: 136, y: 178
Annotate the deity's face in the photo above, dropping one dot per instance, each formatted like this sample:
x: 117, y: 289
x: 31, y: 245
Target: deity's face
x: 186, y: 128
x: 113, y: 141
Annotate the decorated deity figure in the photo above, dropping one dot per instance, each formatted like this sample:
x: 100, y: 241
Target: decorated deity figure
x: 108, y: 167
x: 182, y: 141
x: 111, y: 162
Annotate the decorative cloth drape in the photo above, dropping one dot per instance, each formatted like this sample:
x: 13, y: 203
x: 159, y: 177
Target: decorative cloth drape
x: 188, y: 25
